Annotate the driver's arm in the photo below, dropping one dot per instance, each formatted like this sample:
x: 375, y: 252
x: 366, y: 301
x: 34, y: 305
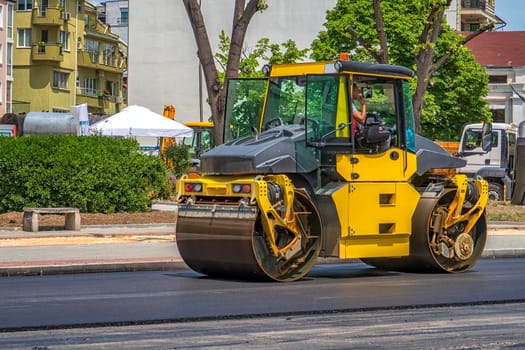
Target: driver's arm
x: 360, y: 116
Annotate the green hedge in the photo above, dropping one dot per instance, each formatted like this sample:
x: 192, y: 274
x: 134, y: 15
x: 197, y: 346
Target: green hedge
x: 95, y: 174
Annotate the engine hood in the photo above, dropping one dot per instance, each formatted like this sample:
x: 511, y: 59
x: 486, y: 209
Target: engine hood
x: 278, y: 150
x: 430, y: 155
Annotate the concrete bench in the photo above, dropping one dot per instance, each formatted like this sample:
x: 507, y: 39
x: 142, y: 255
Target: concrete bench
x: 72, y: 215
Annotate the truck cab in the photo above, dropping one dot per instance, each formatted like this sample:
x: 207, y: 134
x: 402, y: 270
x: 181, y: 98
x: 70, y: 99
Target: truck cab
x: 495, y: 165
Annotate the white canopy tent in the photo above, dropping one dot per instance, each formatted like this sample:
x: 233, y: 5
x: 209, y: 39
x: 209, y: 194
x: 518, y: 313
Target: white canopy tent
x: 139, y: 121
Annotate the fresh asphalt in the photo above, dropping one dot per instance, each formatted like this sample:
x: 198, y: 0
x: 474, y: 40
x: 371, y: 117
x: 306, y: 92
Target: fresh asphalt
x: 108, y: 248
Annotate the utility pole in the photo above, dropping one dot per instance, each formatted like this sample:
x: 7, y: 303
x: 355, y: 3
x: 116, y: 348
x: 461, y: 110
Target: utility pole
x: 201, y: 107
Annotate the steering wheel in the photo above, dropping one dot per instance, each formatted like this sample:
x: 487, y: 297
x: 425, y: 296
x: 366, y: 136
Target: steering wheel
x: 272, y: 123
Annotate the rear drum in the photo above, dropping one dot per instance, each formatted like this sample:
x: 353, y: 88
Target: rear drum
x: 457, y: 251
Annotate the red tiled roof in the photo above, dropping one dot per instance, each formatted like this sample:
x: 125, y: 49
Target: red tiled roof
x: 500, y: 49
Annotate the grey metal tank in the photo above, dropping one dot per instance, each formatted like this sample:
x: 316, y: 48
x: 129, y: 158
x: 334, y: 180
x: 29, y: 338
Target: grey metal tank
x: 49, y: 123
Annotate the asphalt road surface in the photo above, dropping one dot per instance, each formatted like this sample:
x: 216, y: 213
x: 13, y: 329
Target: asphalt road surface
x: 336, y: 306
x: 496, y: 326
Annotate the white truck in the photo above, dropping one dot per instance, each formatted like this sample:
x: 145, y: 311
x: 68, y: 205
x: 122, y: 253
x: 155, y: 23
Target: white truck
x: 495, y: 165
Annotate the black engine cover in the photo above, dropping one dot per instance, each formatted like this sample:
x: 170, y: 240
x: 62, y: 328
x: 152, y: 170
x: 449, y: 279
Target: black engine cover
x: 278, y: 150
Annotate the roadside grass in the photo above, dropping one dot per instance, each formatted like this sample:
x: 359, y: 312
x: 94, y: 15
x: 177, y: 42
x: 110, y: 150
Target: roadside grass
x: 505, y: 211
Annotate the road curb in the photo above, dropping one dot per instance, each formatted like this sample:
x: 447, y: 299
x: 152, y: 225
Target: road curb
x: 91, y: 268
x: 126, y: 266
x: 503, y: 253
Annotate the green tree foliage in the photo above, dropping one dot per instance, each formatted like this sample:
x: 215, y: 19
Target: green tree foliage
x: 252, y: 58
x: 179, y: 156
x: 94, y: 174
x: 455, y: 94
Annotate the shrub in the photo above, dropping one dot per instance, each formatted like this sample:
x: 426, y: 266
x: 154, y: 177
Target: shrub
x: 179, y: 156
x: 94, y: 174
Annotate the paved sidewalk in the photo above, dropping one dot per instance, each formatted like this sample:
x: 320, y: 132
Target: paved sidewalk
x: 149, y: 247
x: 92, y: 249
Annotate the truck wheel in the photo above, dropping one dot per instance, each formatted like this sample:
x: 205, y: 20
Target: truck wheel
x: 495, y: 192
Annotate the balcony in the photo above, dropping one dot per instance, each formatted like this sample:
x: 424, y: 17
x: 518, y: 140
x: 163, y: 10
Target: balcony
x: 47, y: 16
x: 478, y: 11
x: 481, y: 5
x: 92, y: 101
x: 97, y: 101
x: 52, y: 52
x: 85, y: 60
x: 89, y: 96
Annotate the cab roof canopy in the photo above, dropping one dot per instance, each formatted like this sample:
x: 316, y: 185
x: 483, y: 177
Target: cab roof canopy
x: 375, y: 68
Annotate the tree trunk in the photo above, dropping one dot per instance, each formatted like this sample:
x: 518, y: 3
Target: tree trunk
x: 216, y: 91
x: 380, y: 28
x: 425, y: 58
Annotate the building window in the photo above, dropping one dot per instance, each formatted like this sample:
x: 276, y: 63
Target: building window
x: 25, y: 5
x: 123, y: 16
x: 64, y: 40
x: 10, y: 14
x: 108, y: 53
x: 1, y: 16
x: 8, y: 99
x: 24, y: 37
x: 9, y: 57
x: 474, y: 27
x: 111, y: 87
x: 497, y: 79
x: 1, y: 53
x: 498, y: 115
x: 470, y: 27
x: 90, y: 86
x: 92, y: 47
x: 60, y: 80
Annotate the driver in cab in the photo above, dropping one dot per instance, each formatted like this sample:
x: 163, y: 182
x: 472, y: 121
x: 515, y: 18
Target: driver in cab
x: 359, y: 116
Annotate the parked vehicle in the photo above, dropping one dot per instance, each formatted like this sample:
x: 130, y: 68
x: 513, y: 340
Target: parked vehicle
x: 495, y: 165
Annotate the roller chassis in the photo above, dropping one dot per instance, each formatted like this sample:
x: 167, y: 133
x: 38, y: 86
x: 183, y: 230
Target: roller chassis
x: 285, y: 227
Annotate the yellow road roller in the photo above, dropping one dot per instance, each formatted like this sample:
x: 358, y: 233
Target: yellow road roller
x: 299, y: 176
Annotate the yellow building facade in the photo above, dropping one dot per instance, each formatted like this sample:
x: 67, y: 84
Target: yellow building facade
x: 65, y: 56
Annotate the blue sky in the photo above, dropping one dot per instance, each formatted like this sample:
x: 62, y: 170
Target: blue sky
x: 512, y: 12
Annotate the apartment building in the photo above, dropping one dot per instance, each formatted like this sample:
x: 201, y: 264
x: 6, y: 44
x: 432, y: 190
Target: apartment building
x: 65, y: 56
x: 6, y: 54
x: 116, y: 14
x: 503, y: 56
x: 501, y: 53
x: 470, y: 15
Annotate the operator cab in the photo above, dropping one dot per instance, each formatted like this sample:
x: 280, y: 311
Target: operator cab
x: 322, y: 105
x: 314, y: 112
